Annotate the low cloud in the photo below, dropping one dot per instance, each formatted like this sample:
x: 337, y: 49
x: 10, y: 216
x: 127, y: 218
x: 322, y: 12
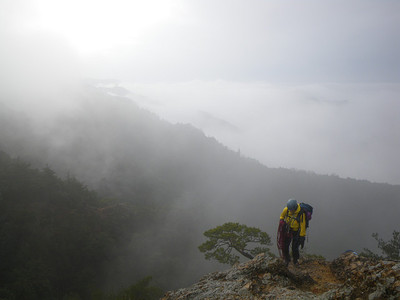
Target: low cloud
x: 351, y: 130
x: 252, y: 75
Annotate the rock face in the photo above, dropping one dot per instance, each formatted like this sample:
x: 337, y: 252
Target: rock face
x: 347, y: 277
x: 368, y: 279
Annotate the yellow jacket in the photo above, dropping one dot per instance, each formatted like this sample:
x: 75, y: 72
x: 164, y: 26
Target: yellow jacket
x: 291, y: 219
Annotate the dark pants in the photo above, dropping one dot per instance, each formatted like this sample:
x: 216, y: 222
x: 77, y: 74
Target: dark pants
x: 294, y: 238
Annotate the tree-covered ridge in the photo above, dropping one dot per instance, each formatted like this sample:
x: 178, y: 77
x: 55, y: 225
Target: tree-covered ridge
x: 56, y: 236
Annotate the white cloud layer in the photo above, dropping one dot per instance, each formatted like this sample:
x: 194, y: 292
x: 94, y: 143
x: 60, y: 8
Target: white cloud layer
x: 300, y: 84
x: 352, y: 130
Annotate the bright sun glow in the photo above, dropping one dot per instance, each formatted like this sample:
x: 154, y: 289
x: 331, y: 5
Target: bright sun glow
x: 98, y: 25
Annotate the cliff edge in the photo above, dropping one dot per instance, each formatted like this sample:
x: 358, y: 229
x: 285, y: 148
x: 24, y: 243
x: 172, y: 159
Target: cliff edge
x: 348, y: 277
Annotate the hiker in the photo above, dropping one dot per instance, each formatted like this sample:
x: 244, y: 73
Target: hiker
x: 293, y: 221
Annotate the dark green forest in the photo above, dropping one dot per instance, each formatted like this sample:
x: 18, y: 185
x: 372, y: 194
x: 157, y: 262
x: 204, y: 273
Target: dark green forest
x: 101, y: 194
x: 57, y: 237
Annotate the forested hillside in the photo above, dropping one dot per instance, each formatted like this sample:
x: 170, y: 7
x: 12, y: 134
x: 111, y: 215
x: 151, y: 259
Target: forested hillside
x: 57, y: 238
x: 166, y: 184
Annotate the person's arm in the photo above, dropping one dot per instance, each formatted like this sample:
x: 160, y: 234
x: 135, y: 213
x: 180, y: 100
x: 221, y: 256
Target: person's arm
x: 303, y: 225
x: 302, y: 237
x: 284, y: 213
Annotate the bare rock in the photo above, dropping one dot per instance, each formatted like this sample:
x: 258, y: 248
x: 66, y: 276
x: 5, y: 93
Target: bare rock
x: 347, y: 277
x: 370, y: 279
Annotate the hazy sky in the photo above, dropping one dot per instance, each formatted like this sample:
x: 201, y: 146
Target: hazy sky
x: 300, y: 84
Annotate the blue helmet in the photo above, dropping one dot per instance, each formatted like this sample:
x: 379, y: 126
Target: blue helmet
x: 292, y: 204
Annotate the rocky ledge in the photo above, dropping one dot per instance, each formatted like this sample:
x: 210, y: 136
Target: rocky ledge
x: 347, y: 277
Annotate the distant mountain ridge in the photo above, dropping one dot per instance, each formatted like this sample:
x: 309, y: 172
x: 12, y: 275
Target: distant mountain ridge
x: 193, y: 182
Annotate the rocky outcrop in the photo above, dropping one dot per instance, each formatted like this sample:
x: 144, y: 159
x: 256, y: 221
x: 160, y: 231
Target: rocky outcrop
x: 347, y: 277
x: 368, y: 279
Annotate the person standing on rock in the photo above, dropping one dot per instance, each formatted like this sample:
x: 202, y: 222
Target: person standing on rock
x: 293, y: 220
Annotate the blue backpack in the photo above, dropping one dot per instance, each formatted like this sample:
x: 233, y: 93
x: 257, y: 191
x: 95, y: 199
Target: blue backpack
x: 307, y: 209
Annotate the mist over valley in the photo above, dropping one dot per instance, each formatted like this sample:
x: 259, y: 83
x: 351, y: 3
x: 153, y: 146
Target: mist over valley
x: 183, y: 183
x: 130, y: 128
